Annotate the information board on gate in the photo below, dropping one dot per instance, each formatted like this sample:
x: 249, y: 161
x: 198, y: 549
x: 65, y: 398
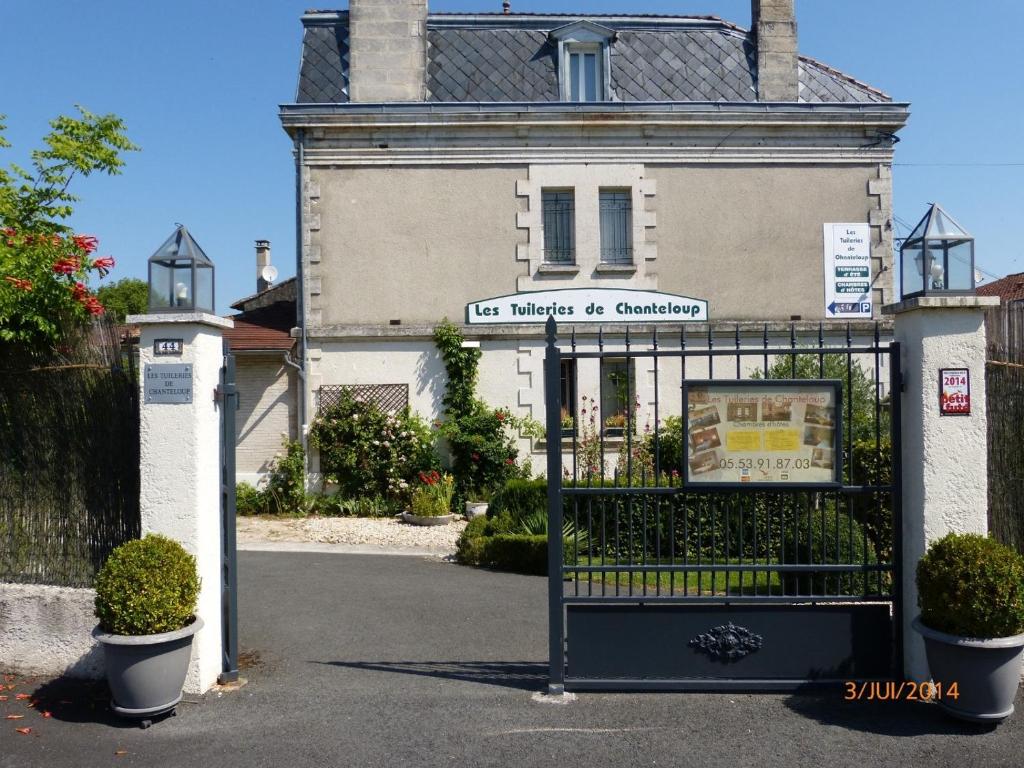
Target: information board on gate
x: 768, y: 432
x: 848, y: 271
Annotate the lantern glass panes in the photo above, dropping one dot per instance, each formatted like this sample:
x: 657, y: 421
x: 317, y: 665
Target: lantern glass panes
x: 937, y: 258
x: 180, y: 276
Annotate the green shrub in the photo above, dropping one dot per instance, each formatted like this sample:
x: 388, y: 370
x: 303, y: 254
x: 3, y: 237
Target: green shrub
x: 146, y: 587
x: 286, y: 488
x: 336, y: 505
x: 823, y: 540
x: 479, y: 438
x: 520, y: 499
x: 469, y: 548
x: 368, y: 452
x: 971, y: 586
x: 249, y: 501
x: 516, y: 552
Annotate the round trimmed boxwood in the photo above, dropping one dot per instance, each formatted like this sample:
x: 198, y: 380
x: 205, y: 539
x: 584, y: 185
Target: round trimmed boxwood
x: 147, y: 586
x: 971, y: 586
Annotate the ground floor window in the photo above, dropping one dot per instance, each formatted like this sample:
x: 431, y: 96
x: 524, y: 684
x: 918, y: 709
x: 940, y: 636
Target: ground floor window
x: 568, y: 394
x: 618, y: 392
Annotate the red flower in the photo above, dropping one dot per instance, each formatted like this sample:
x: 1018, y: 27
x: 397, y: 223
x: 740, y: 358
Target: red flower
x: 78, y: 291
x: 9, y: 231
x: 103, y: 265
x: 87, y: 243
x: 66, y: 266
x: 93, y: 306
x: 25, y: 285
x: 510, y: 462
x: 475, y: 457
x: 499, y: 416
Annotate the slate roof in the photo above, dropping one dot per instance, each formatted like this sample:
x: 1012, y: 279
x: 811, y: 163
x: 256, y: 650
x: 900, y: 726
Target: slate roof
x: 510, y: 58
x: 1009, y: 288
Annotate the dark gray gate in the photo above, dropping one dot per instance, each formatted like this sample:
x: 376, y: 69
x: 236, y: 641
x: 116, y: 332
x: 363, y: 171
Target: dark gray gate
x: 227, y: 402
x: 656, y: 582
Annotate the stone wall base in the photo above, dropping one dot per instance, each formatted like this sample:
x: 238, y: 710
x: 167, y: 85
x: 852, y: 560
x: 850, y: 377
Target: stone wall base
x: 46, y: 630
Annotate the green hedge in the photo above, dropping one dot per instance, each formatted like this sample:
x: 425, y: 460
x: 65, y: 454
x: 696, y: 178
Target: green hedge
x: 822, y: 540
x: 495, y: 543
x: 516, y: 552
x: 520, y: 499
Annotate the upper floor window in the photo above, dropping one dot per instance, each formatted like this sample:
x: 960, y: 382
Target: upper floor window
x: 559, y: 226
x: 616, y: 226
x: 584, y: 67
x: 585, y: 73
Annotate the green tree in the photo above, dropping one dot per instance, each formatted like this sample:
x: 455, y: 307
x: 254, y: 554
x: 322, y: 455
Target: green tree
x: 127, y: 296
x: 45, y: 268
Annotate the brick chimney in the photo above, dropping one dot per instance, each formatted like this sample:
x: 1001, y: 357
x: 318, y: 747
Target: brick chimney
x: 387, y: 50
x: 773, y: 27
x: 262, y: 260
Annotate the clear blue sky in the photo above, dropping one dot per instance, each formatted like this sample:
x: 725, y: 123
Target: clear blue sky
x: 198, y: 83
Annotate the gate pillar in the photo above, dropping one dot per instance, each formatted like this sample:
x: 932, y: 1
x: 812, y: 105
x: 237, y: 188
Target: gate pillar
x: 180, y: 358
x: 944, y: 458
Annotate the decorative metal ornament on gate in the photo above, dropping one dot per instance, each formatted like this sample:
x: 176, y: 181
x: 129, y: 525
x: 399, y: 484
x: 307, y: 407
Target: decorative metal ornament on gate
x: 728, y: 642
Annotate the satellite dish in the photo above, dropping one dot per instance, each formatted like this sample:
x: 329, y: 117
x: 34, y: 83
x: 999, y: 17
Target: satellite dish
x: 978, y: 277
x: 269, y: 273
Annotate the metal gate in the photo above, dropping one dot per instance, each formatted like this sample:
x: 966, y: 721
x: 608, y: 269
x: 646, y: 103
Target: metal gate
x: 659, y: 582
x: 227, y: 402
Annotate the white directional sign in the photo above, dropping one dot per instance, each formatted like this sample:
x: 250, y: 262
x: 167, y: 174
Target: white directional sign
x: 588, y: 305
x: 847, y: 271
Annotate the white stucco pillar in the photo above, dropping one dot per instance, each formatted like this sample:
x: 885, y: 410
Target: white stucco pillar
x: 945, y: 458
x: 180, y: 461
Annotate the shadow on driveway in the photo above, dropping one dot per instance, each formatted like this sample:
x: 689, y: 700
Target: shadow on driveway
x: 522, y: 675
x: 890, y: 718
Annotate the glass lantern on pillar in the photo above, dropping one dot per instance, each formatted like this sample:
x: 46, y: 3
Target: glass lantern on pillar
x: 180, y: 276
x: 938, y: 258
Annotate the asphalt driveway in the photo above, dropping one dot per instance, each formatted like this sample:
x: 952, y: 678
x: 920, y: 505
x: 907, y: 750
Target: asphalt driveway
x: 358, y: 660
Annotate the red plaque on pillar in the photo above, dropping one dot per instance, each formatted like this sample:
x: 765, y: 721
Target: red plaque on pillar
x: 954, y: 392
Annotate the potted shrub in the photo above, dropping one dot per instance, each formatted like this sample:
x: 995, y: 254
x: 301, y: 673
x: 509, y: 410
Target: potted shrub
x: 432, y: 500
x: 146, y: 595
x: 971, y: 595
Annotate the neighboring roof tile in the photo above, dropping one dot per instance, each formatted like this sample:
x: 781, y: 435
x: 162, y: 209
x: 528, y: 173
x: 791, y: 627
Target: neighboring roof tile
x: 268, y: 328
x: 1009, y: 288
x: 499, y: 58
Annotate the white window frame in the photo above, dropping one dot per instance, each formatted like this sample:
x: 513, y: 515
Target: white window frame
x: 582, y: 37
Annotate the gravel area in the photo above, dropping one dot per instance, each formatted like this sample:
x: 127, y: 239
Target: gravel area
x: 386, y: 533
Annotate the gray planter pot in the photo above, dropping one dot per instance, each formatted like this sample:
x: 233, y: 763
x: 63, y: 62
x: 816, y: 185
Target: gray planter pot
x: 146, y: 672
x: 417, y: 520
x: 476, y: 509
x: 986, y: 671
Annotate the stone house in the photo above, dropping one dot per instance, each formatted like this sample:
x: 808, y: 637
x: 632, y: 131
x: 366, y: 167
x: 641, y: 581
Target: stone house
x: 442, y: 159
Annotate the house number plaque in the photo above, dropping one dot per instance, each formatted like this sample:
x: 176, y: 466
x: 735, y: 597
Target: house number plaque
x: 167, y: 346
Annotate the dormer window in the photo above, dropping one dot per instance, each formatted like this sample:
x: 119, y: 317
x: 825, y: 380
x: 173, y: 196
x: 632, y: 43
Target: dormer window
x: 584, y: 68
x: 585, y: 75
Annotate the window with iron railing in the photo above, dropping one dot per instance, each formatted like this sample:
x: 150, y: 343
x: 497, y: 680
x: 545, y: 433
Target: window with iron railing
x: 559, y: 226
x: 616, y: 226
